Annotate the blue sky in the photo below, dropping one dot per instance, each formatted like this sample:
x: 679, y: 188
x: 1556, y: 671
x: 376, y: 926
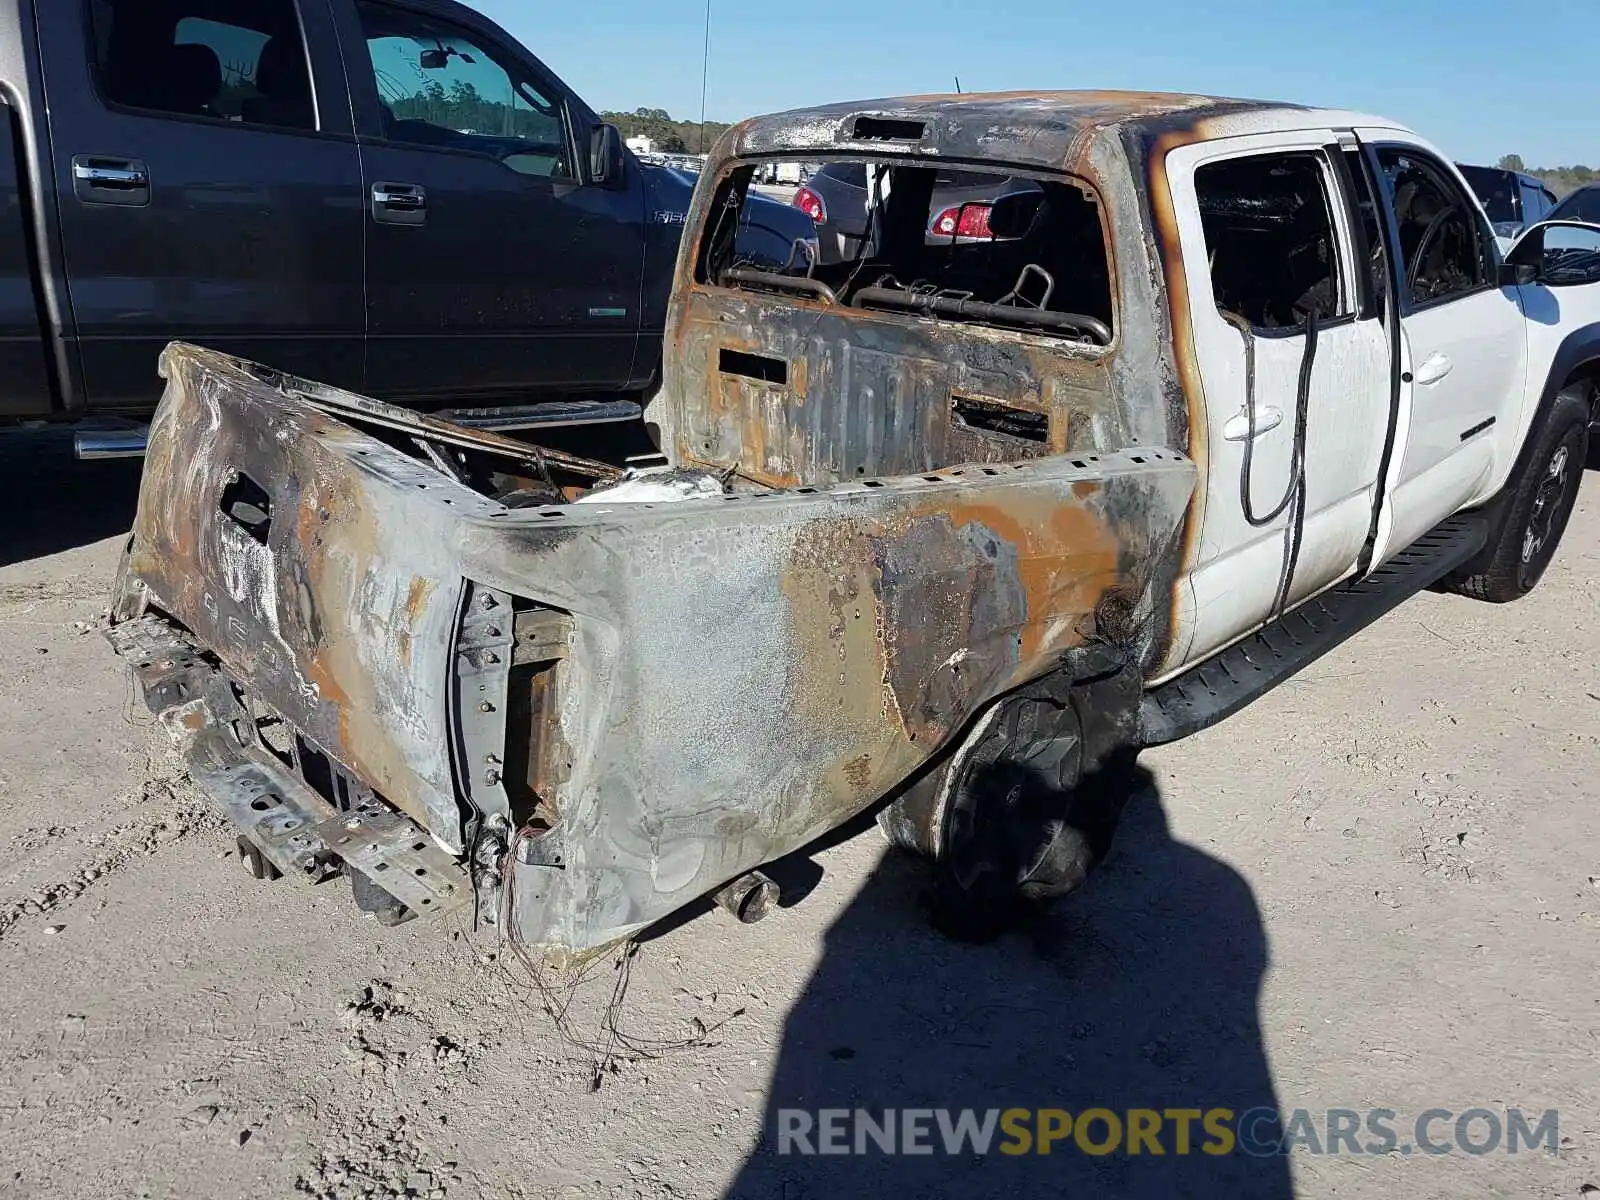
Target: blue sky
x: 1479, y: 79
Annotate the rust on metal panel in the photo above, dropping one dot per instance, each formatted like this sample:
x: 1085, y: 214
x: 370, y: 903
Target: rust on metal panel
x: 334, y: 614
x: 869, y: 393
x: 855, y: 630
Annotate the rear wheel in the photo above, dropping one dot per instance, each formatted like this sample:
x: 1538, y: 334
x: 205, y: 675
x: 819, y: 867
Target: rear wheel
x: 1027, y: 806
x: 1539, y: 507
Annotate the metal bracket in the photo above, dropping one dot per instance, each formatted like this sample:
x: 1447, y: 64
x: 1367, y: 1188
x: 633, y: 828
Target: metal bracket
x: 482, y: 681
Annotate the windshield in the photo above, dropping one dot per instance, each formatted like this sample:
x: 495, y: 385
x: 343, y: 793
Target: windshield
x: 1496, y: 190
x: 963, y: 246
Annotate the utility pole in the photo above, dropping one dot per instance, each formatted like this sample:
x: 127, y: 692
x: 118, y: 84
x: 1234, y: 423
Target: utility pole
x: 705, y: 74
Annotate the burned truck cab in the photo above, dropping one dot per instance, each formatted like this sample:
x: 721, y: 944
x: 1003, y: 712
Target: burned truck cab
x: 909, y: 541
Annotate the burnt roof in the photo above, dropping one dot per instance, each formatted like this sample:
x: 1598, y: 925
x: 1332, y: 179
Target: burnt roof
x: 1045, y: 127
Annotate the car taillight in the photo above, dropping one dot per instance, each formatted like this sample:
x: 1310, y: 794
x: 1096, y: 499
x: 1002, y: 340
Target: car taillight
x: 811, y: 204
x: 963, y: 220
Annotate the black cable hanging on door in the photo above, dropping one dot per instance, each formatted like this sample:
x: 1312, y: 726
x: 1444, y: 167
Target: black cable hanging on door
x: 1294, y: 494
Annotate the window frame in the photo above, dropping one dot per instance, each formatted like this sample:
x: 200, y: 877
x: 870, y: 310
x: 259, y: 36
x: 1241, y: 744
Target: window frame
x: 1488, y: 244
x: 499, y: 52
x: 701, y: 249
x: 1343, y: 224
x: 319, y: 117
x: 1526, y: 191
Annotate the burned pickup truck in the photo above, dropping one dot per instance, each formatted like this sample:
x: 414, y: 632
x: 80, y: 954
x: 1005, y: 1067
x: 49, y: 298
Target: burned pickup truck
x: 949, y: 529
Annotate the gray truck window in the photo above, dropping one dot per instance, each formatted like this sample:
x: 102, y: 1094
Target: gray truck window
x: 242, y: 61
x: 442, y: 87
x: 1535, y: 203
x: 1270, y: 239
x: 1442, y: 241
x: 1581, y: 205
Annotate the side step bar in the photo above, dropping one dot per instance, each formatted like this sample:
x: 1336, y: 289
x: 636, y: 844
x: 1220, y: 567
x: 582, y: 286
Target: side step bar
x: 118, y: 442
x: 1222, y: 685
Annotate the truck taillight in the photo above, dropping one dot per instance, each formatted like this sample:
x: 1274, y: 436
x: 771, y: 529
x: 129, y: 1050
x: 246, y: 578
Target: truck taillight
x: 811, y: 204
x: 963, y: 220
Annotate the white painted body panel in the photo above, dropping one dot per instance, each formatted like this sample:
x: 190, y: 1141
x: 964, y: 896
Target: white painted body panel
x: 1465, y: 368
x: 1238, y: 566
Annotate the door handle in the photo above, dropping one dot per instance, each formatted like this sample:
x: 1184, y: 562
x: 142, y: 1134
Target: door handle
x: 100, y: 180
x: 1433, y: 368
x: 1238, y: 427
x: 399, y: 204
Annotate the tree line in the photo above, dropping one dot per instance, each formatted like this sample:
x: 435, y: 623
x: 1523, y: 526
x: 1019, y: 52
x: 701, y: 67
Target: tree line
x: 670, y: 136
x: 1559, y: 180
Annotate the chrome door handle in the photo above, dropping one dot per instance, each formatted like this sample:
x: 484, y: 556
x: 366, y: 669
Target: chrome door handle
x: 399, y: 204
x: 407, y: 200
x: 1238, y: 427
x: 102, y: 179
x: 1433, y: 368
x: 117, y: 177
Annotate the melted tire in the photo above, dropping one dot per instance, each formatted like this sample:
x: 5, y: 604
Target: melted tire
x: 1028, y: 805
x: 1538, y: 508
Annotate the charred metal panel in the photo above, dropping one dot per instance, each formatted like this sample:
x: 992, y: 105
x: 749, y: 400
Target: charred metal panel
x: 747, y: 673
x: 333, y: 607
x: 868, y: 394
x: 741, y: 673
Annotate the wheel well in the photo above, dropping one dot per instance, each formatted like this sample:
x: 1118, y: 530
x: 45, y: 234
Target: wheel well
x: 1588, y: 375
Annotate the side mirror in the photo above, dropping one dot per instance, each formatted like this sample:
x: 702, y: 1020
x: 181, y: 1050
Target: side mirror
x: 606, y: 164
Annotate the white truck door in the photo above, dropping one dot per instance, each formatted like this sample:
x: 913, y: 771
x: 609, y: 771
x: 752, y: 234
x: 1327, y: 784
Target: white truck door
x: 1464, y: 352
x: 1268, y: 234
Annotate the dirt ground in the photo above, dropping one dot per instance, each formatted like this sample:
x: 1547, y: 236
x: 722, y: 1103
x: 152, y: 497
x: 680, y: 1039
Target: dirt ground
x: 1377, y: 888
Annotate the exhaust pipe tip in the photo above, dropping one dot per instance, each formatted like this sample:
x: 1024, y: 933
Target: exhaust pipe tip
x: 749, y: 898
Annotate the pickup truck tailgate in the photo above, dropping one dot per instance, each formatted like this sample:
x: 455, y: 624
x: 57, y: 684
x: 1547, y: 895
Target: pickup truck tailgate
x: 301, y: 553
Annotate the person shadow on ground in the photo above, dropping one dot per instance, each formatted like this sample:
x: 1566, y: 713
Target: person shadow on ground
x: 1137, y: 992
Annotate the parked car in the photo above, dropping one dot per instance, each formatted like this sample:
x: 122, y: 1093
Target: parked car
x: 1581, y: 205
x: 393, y: 197
x: 1513, y: 200
x: 951, y: 539
x: 836, y: 196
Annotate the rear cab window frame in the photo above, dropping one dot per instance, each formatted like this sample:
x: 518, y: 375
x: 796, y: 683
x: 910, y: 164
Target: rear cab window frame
x: 367, y: 98
x: 319, y: 78
x: 998, y: 171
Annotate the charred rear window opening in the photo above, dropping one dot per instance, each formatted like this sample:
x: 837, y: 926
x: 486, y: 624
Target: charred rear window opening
x: 1270, y: 240
x: 1002, y: 250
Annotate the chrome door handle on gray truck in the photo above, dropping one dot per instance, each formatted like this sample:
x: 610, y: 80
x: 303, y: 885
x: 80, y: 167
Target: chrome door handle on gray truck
x: 100, y: 180
x: 399, y: 204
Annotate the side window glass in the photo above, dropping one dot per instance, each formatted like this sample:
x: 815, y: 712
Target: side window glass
x: 1441, y: 241
x: 1270, y: 239
x: 441, y: 87
x: 242, y: 61
x: 1533, y: 204
x: 1377, y: 261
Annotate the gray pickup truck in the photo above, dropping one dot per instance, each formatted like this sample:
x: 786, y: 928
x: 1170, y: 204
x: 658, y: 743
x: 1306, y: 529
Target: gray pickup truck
x: 390, y: 195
